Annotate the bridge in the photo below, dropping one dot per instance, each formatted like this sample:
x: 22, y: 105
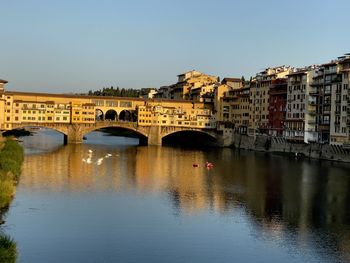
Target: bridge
x: 151, y: 135
x: 74, y: 116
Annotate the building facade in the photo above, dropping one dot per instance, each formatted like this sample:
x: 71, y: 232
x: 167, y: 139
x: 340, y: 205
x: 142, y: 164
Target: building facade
x: 260, y: 98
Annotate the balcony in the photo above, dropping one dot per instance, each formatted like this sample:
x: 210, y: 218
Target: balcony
x: 330, y: 71
x: 295, y: 82
x: 311, y: 122
x: 313, y: 103
x: 311, y: 109
x: 314, y: 92
x: 346, y: 145
x: 337, y: 79
x: 316, y: 83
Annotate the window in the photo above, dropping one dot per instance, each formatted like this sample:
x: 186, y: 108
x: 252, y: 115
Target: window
x: 126, y: 104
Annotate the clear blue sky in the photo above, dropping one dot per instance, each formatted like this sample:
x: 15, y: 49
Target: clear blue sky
x: 77, y: 45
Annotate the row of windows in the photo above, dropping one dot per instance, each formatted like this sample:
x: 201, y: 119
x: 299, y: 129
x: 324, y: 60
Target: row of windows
x: 145, y: 115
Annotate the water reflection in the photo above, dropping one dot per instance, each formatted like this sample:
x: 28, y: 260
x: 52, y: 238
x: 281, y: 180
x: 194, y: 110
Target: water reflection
x: 300, y: 205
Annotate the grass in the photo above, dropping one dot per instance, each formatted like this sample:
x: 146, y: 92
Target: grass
x: 7, y: 191
x: 11, y: 159
x: 8, y: 249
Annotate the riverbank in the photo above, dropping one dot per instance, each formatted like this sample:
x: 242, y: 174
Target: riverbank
x: 277, y: 145
x: 11, y: 159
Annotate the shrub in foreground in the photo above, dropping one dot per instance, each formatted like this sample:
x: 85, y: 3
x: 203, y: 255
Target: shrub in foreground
x: 8, y: 249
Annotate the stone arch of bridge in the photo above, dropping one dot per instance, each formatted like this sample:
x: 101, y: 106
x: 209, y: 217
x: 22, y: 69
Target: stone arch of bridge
x: 99, y: 115
x: 58, y: 128
x: 111, y: 115
x: 128, y: 115
x: 127, y: 127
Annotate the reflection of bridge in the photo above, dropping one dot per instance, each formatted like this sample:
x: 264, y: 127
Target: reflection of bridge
x: 148, y: 135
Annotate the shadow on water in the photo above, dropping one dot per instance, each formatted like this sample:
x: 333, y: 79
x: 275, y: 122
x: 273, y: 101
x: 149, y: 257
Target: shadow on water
x: 190, y: 140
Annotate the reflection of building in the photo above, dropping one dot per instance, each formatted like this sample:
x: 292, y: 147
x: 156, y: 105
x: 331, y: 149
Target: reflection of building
x: 277, y: 196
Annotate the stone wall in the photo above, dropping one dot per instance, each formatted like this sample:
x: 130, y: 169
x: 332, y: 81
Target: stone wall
x: 265, y: 143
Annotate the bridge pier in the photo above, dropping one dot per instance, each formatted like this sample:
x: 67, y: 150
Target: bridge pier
x: 154, y: 136
x: 74, y: 134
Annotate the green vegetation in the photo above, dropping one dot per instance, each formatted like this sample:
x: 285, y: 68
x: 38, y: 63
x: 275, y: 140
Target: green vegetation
x: 117, y: 92
x: 11, y: 158
x: 8, y: 249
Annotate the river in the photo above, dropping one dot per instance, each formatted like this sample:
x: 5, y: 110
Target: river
x: 150, y: 204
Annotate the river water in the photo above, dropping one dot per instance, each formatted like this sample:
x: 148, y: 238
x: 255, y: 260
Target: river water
x: 149, y: 204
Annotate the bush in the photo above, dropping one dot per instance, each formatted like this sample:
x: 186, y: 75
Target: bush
x: 8, y: 249
x: 7, y: 190
x: 11, y: 158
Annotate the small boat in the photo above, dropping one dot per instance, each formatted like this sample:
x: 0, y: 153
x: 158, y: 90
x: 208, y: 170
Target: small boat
x: 209, y: 165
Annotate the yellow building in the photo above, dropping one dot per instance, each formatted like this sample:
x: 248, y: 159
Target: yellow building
x: 226, y: 99
x: 175, y: 114
x: 193, y: 85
